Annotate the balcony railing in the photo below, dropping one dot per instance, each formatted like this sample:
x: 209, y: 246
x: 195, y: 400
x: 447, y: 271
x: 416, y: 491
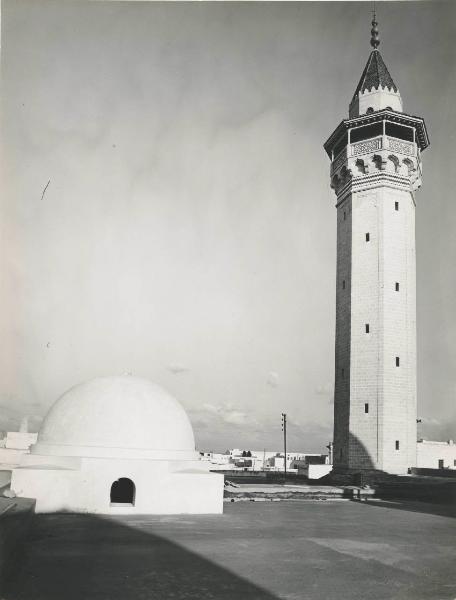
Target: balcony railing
x: 381, y: 142
x: 367, y: 146
x: 397, y: 145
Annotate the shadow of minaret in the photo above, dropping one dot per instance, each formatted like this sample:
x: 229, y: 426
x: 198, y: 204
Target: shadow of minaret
x: 85, y: 557
x: 355, y: 460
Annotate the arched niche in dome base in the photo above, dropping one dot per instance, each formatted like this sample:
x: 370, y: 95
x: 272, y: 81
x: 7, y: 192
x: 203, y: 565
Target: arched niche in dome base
x: 123, y: 492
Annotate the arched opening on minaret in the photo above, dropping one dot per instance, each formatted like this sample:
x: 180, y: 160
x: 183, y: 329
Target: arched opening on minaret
x: 393, y: 164
x: 408, y: 165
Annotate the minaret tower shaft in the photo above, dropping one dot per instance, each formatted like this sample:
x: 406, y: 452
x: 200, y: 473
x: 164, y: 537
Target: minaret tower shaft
x: 375, y: 171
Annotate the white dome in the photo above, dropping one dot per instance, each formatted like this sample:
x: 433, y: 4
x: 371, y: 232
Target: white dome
x: 116, y: 417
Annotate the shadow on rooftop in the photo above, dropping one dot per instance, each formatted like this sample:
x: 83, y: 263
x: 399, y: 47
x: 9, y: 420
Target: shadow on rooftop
x: 429, y: 508
x: 85, y: 557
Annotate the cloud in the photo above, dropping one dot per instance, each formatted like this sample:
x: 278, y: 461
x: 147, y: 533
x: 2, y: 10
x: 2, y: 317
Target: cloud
x: 430, y: 421
x: 176, y: 368
x: 324, y: 390
x: 229, y: 414
x: 10, y: 419
x: 273, y: 379
x: 431, y: 428
x: 219, y: 426
x: 309, y: 437
x: 327, y: 390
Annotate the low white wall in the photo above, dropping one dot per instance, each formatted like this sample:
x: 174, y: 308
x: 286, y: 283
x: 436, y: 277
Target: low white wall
x: 159, y: 489
x: 318, y: 471
x: 10, y: 458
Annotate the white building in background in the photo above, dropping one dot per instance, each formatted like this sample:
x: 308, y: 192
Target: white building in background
x: 117, y: 445
x: 216, y: 460
x: 13, y: 446
x: 236, y: 460
x: 260, y: 460
x: 436, y: 455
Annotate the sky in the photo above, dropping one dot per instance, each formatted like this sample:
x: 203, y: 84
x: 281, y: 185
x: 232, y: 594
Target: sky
x: 166, y: 208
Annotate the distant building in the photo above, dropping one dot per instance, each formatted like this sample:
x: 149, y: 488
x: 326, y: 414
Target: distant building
x: 237, y: 460
x: 13, y: 446
x: 216, y: 460
x: 260, y: 460
x: 314, y: 466
x: 295, y: 460
x: 436, y: 455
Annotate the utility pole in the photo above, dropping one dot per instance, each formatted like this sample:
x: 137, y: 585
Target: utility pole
x: 330, y: 453
x: 284, y: 429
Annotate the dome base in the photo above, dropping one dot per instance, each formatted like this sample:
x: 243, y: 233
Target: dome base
x: 111, y: 452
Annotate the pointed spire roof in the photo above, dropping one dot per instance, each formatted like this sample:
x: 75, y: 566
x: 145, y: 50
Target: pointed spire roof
x: 375, y: 75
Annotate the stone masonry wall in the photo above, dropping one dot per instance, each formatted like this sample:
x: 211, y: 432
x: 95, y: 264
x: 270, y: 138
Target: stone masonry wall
x: 382, y: 396
x: 399, y: 331
x: 366, y: 347
x: 342, y: 347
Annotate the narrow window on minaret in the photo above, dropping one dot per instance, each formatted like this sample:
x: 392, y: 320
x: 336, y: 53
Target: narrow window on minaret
x: 397, y: 444
x: 367, y: 327
x: 343, y: 284
x: 397, y: 286
x: 367, y: 237
x: 397, y: 361
x: 366, y: 408
x: 396, y: 206
x: 343, y: 373
x: 345, y: 215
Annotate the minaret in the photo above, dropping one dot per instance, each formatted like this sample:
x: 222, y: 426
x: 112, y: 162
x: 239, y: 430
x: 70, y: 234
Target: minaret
x: 375, y: 170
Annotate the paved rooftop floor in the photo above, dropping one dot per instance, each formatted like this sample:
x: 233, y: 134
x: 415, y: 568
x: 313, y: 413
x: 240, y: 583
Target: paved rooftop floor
x: 256, y: 551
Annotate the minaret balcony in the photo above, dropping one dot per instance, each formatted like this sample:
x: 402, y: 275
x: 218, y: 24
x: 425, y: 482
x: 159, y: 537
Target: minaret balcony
x: 380, y: 144
x: 382, y: 136
x: 372, y: 157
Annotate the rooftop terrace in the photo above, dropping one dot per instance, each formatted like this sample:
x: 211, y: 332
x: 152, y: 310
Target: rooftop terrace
x: 255, y: 551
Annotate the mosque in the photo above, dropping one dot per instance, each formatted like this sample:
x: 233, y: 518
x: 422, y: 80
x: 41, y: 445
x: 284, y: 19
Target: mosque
x: 123, y: 445
x: 117, y: 445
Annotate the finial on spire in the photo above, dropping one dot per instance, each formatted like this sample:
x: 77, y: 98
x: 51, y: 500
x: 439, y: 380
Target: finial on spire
x: 375, y: 39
